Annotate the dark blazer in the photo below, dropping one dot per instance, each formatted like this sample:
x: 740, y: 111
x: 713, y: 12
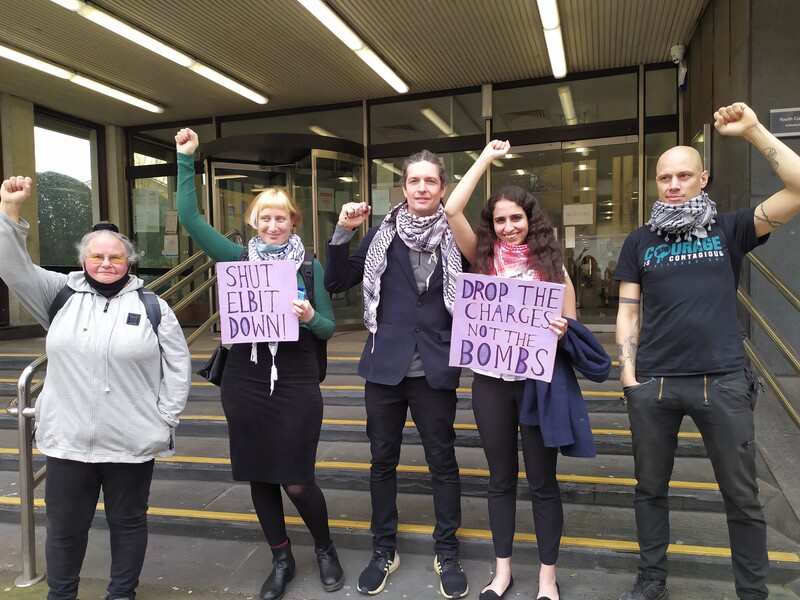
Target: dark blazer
x: 558, y: 407
x: 406, y: 318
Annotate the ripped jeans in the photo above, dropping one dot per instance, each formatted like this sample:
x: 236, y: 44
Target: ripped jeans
x: 722, y: 408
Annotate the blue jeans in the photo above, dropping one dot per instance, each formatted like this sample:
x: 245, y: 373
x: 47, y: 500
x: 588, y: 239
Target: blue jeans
x: 722, y: 408
x: 71, y: 492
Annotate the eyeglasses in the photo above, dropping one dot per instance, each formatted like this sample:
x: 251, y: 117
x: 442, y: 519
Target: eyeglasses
x: 114, y: 259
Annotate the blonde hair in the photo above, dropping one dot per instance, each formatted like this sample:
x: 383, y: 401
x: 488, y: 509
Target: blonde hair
x: 273, y: 198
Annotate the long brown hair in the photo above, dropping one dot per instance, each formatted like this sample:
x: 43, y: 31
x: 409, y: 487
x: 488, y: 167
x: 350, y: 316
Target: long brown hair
x: 545, y: 254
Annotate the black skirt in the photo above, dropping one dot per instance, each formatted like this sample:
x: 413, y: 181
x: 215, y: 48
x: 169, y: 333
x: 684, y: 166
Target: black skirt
x: 273, y: 437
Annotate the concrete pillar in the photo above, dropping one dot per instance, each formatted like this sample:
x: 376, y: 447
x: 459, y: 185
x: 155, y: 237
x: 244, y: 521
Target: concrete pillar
x: 19, y: 158
x: 118, y: 205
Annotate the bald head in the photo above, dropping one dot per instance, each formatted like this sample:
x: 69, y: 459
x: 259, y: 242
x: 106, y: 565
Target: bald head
x: 680, y: 175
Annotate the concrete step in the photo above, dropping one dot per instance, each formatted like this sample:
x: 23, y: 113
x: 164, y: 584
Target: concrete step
x: 604, y: 481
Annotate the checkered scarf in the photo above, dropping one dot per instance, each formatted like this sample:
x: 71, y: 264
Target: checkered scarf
x: 691, y: 218
x: 510, y: 260
x: 423, y: 234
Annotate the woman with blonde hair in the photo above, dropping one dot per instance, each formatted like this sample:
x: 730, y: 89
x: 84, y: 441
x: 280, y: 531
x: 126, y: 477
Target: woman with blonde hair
x: 270, y: 391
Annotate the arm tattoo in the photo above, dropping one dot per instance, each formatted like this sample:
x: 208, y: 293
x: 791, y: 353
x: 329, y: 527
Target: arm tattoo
x: 627, y: 351
x: 624, y: 300
x: 762, y: 217
x: 770, y: 154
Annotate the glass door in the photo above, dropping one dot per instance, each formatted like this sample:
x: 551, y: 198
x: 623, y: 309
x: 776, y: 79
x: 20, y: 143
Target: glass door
x: 235, y: 186
x: 336, y: 179
x: 589, y: 191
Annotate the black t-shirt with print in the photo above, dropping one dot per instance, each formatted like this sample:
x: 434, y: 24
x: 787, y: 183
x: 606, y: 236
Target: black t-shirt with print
x: 689, y: 320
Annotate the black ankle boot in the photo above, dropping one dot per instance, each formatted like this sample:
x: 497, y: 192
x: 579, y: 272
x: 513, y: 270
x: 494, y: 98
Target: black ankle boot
x: 282, y: 573
x: 330, y: 571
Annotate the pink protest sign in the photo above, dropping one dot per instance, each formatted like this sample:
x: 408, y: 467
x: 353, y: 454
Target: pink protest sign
x: 255, y: 301
x: 500, y: 325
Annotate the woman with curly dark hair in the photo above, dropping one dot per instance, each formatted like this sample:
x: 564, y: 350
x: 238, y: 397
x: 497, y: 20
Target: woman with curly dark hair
x: 514, y: 239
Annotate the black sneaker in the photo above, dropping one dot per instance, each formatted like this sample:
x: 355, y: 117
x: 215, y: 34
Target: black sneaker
x: 453, y: 581
x: 381, y: 565
x: 647, y: 589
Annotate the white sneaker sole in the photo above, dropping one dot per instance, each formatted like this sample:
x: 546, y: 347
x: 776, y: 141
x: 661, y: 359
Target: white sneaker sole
x: 392, y: 568
x: 441, y: 587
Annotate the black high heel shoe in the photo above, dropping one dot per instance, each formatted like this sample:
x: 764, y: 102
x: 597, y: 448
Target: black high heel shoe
x: 548, y: 597
x: 492, y: 595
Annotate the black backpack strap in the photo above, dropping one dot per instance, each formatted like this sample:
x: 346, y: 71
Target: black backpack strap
x: 151, y: 307
x: 58, y: 302
x: 307, y: 273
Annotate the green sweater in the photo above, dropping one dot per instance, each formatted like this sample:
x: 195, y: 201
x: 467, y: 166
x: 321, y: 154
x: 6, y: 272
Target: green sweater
x: 221, y: 249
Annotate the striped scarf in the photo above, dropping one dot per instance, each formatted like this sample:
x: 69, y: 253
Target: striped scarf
x: 423, y: 234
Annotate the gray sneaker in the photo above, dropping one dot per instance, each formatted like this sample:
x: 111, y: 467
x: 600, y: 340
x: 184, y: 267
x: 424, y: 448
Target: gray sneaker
x: 647, y: 589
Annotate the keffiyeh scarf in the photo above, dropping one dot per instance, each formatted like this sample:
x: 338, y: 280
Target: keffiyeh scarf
x: 423, y: 234
x: 692, y: 218
x: 510, y: 260
x: 258, y: 251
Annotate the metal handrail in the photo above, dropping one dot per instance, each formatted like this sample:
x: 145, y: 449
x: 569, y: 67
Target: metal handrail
x: 786, y: 349
x: 775, y: 280
x: 24, y: 411
x: 772, y: 382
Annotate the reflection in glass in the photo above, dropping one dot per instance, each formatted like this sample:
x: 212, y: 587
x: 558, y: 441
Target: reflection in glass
x: 558, y: 104
x: 65, y: 190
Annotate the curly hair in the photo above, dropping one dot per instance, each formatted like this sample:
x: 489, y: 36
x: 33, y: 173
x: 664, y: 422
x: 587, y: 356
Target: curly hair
x: 545, y: 254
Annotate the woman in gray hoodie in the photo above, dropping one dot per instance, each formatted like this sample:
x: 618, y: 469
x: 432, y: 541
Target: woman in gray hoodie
x: 115, y: 388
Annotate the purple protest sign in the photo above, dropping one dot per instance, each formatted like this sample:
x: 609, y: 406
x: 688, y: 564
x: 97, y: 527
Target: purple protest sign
x: 255, y: 301
x: 500, y: 325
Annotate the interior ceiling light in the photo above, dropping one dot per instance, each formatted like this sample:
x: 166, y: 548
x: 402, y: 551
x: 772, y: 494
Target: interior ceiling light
x: 115, y: 25
x: 565, y: 96
x: 387, y: 166
x: 551, y: 24
x: 341, y: 30
x: 320, y: 131
x: 440, y: 123
x: 77, y: 78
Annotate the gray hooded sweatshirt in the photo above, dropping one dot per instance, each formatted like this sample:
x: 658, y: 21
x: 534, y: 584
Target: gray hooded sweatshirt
x: 110, y: 395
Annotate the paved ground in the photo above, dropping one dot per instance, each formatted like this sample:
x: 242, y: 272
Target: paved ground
x: 180, y: 567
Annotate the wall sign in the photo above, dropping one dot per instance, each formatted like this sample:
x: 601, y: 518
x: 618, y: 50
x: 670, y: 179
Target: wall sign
x: 784, y: 122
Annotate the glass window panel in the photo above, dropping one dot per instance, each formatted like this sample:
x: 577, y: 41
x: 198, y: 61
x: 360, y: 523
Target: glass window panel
x: 431, y: 118
x: 152, y: 198
x: 66, y: 173
x: 565, y: 103
x: 661, y: 92
x: 345, y: 123
x: 157, y: 146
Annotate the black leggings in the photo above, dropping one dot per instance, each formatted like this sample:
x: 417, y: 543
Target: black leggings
x: 307, y: 498
x: 496, y: 404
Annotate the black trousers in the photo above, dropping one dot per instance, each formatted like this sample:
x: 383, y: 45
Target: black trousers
x: 496, y: 404
x: 71, y: 492
x: 433, y: 412
x: 720, y: 406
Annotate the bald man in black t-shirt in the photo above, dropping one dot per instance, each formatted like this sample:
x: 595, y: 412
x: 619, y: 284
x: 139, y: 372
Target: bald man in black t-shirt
x: 684, y: 355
